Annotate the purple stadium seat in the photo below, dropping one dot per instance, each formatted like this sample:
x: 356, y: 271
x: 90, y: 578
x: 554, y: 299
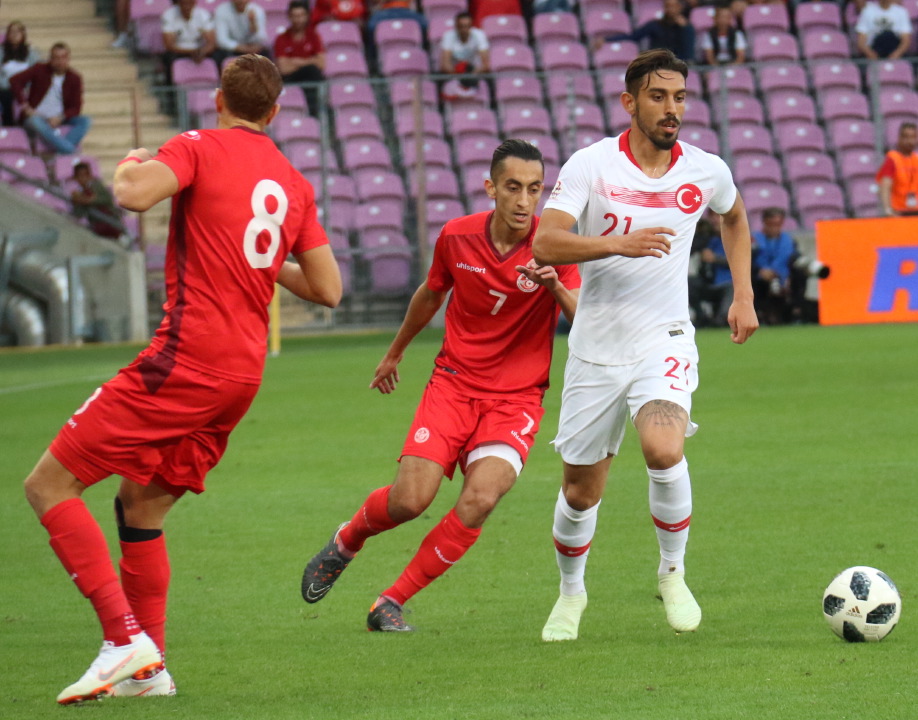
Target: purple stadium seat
x: 439, y: 212
x: 615, y: 54
x: 364, y: 154
x: 697, y: 113
x: 344, y: 96
x: 810, y: 166
x: 405, y: 61
x: 789, y: 105
x: 341, y: 188
x: 345, y: 62
x: 339, y: 243
x: 275, y: 23
x: 450, y: 6
x: 30, y: 166
x: 145, y: 16
x: 473, y: 122
x: 358, y: 123
x: 702, y: 18
x: 564, y: 56
x: 898, y: 104
x: 473, y: 179
x: 505, y: 27
x: 398, y: 34
x: 571, y: 144
x: 526, y: 90
x: 771, y: 45
x: 62, y: 166
x: 382, y: 215
x: 438, y: 25
x: 512, y: 58
x: 851, y: 135
x: 306, y: 156
x: 606, y: 20
x: 643, y: 11
x: 819, y: 201
x: 480, y: 203
x: 704, y: 138
x: 190, y: 74
x: 435, y: 152
x: 402, y: 92
x: 838, y: 104
x: 756, y: 169
x: 43, y: 197
x: 389, y: 258
x: 374, y: 184
x: 864, y: 197
x: 291, y: 100
x: 749, y: 140
x: 200, y: 102
x: 555, y: 26
x: 581, y: 115
x: 825, y: 44
x: 287, y: 127
x: 765, y: 20
x: 619, y: 120
x: 857, y: 164
x: 477, y: 149
x: 892, y: 73
x: 741, y: 110
x: 340, y: 217
x: 736, y: 78
x: 612, y: 83
x: 15, y: 141
x: 891, y: 127
x: 817, y: 16
x: 547, y: 144
x: 340, y: 36
x: 774, y: 78
x: 795, y: 136
x: 842, y: 75
x: 759, y: 196
x: 431, y: 123
x: 148, y: 8
x: 564, y: 87
x: 525, y: 120
x: 440, y: 183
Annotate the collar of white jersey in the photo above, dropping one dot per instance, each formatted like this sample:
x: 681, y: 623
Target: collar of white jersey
x: 625, y: 146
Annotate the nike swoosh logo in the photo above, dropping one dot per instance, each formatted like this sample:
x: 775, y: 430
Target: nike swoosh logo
x: 313, y: 595
x: 106, y: 675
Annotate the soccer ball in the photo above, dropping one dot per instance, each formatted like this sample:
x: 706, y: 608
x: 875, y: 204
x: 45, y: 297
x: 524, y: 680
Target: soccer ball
x: 862, y: 604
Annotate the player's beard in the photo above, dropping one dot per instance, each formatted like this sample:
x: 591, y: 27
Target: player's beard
x: 654, y: 132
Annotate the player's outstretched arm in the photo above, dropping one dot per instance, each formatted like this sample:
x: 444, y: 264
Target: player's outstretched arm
x: 738, y: 245
x: 314, y: 276
x: 547, y: 276
x: 555, y: 244
x: 140, y: 181
x: 423, y: 306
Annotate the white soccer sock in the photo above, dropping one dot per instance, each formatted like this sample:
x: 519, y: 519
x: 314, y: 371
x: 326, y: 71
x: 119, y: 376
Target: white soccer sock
x: 671, y: 509
x: 573, y: 531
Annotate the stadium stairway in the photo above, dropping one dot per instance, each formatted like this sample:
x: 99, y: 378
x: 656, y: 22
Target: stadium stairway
x: 110, y: 78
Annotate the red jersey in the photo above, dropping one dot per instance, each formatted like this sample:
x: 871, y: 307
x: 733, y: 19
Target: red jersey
x: 240, y: 210
x: 310, y: 45
x: 500, y: 326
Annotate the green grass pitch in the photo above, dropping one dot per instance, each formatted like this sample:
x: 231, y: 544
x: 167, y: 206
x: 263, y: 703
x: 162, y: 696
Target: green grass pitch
x: 806, y: 463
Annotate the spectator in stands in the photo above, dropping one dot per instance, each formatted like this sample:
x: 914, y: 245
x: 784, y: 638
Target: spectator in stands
x: 241, y: 28
x: 719, y: 289
x: 394, y: 10
x: 738, y: 8
x: 673, y: 31
x: 300, y: 54
x: 50, y: 96
x: 122, y: 20
x: 18, y: 55
x: 480, y: 9
x: 548, y: 6
x: 723, y: 44
x: 188, y: 31
x: 343, y: 10
x: 898, y: 176
x: 884, y: 30
x: 773, y: 249
x: 91, y: 194
x: 465, y: 50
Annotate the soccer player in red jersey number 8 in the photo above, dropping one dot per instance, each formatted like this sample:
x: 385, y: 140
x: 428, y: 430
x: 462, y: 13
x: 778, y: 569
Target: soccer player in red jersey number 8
x: 238, y: 210
x: 637, y: 199
x: 482, y: 406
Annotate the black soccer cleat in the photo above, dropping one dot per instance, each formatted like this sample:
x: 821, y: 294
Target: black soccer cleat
x: 386, y: 616
x: 324, y: 568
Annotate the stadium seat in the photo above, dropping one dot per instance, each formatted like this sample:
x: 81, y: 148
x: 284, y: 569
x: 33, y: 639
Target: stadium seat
x: 340, y: 188
x: 838, y: 104
x: 563, y: 56
x: 345, y: 62
x: 43, y: 197
x: 374, y: 184
x: 406, y: 123
x: 741, y: 111
x: 819, y: 201
x: 364, y: 154
x: 388, y: 257
x: 570, y: 87
x: 580, y: 116
x: 358, y: 123
x: 612, y: 83
x: 735, y: 78
x: 643, y: 11
x: 789, y: 105
x: 551, y: 154
x: 898, y: 105
x: 339, y: 36
x: 62, y: 166
x: 275, y: 23
x: 402, y: 92
x: 512, y: 58
x: 439, y: 183
x: 286, y: 128
x: 750, y: 140
x: 615, y: 54
x: 398, y: 34
x: 291, y: 100
x: 439, y: 212
x: 825, y: 44
x: 405, y: 61
x: 525, y: 90
x: 618, y: 119
x: 765, y: 20
x: 704, y: 138
x: 757, y: 169
x: 525, y: 120
x: 795, y: 136
x: 438, y: 24
x: 817, y: 16
x: 478, y: 148
x: 468, y: 122
x: 889, y: 74
x: 384, y: 216
x: 505, y: 27
x: 146, y: 19
x: 338, y: 217
x: 863, y: 197
x: 759, y: 196
x: 306, y: 156
x: 846, y: 135
x: 702, y: 18
x: 30, y: 166
x: 858, y: 164
x: 480, y: 203
x: 473, y: 179
x: 604, y: 20
x: 188, y: 73
x: 774, y: 78
x: 810, y: 166
x: 14, y: 141
x: 774, y: 46
x: 555, y: 27
x: 841, y: 75
x: 345, y: 96
x: 697, y: 113
x: 434, y: 152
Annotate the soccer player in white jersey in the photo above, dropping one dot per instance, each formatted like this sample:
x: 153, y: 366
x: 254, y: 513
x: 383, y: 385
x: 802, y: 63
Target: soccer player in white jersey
x: 636, y: 199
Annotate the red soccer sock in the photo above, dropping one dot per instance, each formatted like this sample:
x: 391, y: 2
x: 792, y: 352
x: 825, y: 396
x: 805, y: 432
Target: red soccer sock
x: 79, y: 544
x: 371, y: 519
x: 145, y: 579
x: 443, y: 547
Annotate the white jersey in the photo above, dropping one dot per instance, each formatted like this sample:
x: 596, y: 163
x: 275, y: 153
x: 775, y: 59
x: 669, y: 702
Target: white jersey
x: 629, y: 305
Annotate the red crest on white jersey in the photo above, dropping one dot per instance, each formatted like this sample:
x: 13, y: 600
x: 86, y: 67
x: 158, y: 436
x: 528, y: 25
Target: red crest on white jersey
x: 689, y: 198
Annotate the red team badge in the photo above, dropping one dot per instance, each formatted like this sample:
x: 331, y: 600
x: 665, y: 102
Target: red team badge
x: 525, y: 284
x: 689, y: 198
x: 422, y: 435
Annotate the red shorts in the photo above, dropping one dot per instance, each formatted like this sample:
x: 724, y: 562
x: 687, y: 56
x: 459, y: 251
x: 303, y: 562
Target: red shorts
x: 449, y: 424
x: 173, y: 435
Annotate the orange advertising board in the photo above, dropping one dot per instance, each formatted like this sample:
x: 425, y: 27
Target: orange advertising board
x: 874, y: 270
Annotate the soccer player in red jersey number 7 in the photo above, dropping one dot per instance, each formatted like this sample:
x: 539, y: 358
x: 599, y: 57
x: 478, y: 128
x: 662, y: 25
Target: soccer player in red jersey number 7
x: 482, y: 406
x: 637, y: 199
x: 238, y: 209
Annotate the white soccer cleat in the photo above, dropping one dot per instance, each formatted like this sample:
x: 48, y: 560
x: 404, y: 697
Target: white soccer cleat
x: 161, y: 683
x: 682, y: 611
x: 564, y: 621
x: 113, y: 664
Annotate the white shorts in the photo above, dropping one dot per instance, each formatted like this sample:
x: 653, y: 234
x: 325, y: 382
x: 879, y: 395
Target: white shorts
x: 598, y: 400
